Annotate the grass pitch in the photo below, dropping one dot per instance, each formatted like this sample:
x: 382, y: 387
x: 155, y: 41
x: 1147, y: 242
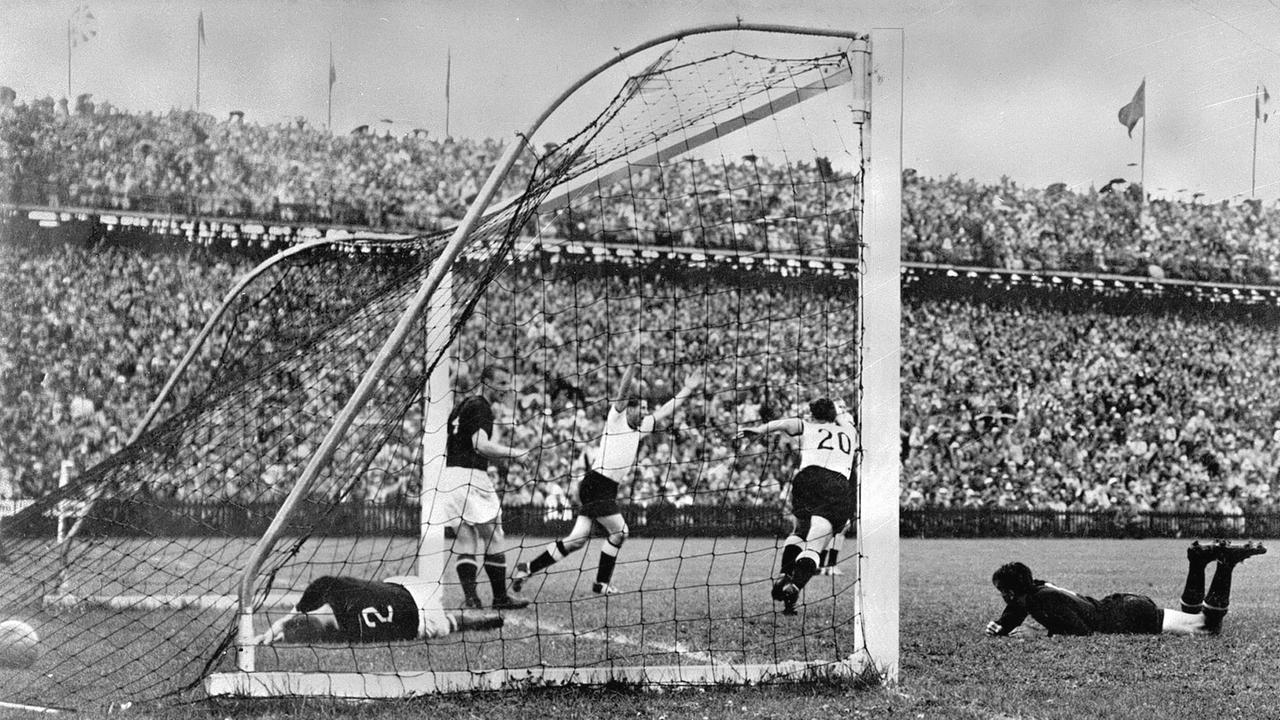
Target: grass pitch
x: 949, y: 668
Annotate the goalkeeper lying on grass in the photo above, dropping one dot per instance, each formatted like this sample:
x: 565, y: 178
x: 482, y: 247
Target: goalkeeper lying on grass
x: 1063, y: 612
x: 348, y: 610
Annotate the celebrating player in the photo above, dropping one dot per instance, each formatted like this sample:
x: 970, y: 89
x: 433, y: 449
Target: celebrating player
x: 347, y: 610
x: 624, y: 428
x: 1063, y: 612
x: 466, y: 497
x: 822, y: 498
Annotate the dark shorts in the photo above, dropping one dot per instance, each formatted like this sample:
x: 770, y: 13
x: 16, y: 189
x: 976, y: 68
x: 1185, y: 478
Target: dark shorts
x: 824, y: 493
x: 597, y: 496
x: 1129, y: 613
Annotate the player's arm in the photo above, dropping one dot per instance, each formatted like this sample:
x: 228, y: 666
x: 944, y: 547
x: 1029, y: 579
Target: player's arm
x: 668, y: 408
x: 312, y: 619
x: 791, y: 426
x: 1012, y: 617
x: 624, y: 388
x: 492, y: 449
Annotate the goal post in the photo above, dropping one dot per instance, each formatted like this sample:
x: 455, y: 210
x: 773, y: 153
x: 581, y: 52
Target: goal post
x: 880, y: 407
x: 876, y: 595
x: 719, y: 204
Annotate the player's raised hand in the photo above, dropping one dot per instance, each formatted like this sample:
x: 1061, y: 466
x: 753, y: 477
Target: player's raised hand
x: 993, y: 628
x: 694, y: 380
x: 637, y: 344
x: 746, y: 435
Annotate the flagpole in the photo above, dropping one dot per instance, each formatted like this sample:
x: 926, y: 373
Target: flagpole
x: 329, y: 120
x: 1142, y: 162
x: 68, y: 59
x: 448, y: 76
x: 1253, y: 181
x: 198, y: 28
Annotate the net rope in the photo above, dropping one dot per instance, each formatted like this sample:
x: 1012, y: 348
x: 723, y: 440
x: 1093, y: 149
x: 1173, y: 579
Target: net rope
x: 163, y: 527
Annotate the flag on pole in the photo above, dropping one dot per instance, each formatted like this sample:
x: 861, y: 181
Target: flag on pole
x: 200, y: 28
x: 333, y: 72
x: 448, y: 72
x: 1260, y: 99
x: 83, y: 26
x: 1133, y: 112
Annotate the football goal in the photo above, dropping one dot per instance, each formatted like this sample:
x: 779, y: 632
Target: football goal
x: 715, y: 212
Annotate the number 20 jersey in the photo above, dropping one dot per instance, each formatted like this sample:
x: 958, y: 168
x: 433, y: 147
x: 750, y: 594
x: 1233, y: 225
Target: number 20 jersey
x: 827, y: 445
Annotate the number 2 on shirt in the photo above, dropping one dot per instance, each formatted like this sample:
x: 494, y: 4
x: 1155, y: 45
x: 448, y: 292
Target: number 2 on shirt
x: 373, y: 618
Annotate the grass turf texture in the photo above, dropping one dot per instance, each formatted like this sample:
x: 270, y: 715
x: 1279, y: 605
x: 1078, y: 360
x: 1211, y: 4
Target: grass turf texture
x: 949, y: 668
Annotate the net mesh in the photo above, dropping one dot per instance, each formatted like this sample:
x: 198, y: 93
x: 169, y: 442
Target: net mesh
x: 680, y: 216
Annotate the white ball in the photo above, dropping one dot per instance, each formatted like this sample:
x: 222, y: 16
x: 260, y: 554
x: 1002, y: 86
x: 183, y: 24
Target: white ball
x: 19, y: 644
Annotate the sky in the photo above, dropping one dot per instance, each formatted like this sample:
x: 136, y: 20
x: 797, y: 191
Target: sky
x: 1027, y: 89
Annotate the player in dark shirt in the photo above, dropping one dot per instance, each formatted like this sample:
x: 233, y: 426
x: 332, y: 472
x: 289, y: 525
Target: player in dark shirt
x: 471, y: 415
x: 465, y: 497
x: 1063, y: 612
x: 335, y: 609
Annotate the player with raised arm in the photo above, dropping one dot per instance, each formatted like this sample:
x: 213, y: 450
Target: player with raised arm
x: 624, y: 428
x: 822, y: 498
x: 1063, y: 612
x: 466, y: 497
x: 336, y: 609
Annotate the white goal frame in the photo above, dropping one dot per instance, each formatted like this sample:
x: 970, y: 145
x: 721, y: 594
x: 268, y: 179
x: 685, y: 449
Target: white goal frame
x: 876, y: 599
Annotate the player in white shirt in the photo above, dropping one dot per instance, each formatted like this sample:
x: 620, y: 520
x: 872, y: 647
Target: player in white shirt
x: 822, y: 498
x: 625, y: 427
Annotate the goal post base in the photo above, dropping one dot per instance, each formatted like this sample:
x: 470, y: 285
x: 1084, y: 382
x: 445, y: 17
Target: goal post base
x: 397, y: 685
x: 273, y: 601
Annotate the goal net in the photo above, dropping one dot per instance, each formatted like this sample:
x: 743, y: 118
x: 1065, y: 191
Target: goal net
x: 721, y: 218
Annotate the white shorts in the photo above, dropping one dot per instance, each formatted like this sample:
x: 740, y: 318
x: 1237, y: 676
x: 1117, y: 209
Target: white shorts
x: 463, y: 495
x: 433, y: 621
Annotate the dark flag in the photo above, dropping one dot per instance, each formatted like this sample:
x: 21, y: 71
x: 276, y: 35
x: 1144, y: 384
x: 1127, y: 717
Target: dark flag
x: 1137, y: 108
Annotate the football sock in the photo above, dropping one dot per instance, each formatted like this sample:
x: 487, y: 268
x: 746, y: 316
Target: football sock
x: 495, y: 566
x: 790, y: 551
x: 806, y: 567
x: 1193, y: 590
x: 608, y: 558
x: 1219, y: 597
x: 549, y: 556
x: 467, y: 572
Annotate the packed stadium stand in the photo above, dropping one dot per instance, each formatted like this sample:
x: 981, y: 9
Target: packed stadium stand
x: 1039, y: 398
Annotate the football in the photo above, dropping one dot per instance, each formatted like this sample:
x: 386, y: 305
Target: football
x: 19, y: 644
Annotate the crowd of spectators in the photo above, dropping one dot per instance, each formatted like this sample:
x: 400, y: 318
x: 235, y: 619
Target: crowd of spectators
x: 187, y: 163
x: 1019, y: 405
x: 1109, y: 231
x: 94, y: 155
x: 1029, y: 405
x: 87, y: 339
x: 1033, y: 406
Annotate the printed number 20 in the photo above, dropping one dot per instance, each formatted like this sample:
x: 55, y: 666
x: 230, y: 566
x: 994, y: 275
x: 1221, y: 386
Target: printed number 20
x: 842, y: 439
